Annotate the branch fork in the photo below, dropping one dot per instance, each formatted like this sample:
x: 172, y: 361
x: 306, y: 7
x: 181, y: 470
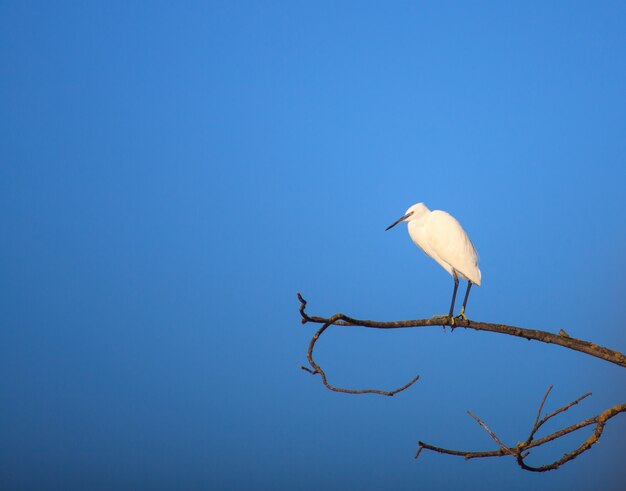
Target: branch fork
x: 521, y: 451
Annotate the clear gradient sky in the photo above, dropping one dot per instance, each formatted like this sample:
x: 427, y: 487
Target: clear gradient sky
x: 171, y: 173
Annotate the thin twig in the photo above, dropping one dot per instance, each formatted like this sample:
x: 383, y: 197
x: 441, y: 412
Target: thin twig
x: 563, y: 409
x: 317, y: 370
x: 492, y: 435
x: 543, y: 401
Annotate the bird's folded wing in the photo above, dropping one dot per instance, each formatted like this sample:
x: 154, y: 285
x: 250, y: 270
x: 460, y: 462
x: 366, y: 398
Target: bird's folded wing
x: 449, y: 241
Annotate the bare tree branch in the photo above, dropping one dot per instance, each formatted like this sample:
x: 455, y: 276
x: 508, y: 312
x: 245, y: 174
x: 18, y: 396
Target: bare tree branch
x: 521, y: 451
x: 530, y: 334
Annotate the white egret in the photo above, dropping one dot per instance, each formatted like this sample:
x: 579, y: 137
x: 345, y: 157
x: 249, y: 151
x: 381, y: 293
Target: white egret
x: 441, y: 237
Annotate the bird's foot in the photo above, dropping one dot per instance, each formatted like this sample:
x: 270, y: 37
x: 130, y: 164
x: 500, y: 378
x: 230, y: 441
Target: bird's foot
x: 462, y: 314
x: 449, y: 318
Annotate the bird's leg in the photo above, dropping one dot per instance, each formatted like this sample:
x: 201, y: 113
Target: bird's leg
x: 462, y: 313
x: 456, y: 286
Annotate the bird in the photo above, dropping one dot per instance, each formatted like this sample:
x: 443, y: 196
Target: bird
x: 441, y: 237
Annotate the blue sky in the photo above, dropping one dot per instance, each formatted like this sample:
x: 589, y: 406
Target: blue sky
x: 172, y: 174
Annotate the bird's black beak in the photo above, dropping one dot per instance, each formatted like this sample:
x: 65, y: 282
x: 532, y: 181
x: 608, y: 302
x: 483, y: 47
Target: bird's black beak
x: 398, y: 221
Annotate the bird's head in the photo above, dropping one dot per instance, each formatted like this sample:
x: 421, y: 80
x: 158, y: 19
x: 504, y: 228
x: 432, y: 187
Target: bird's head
x: 418, y: 210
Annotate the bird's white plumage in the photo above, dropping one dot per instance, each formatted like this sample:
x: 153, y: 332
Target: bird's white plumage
x: 441, y: 237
